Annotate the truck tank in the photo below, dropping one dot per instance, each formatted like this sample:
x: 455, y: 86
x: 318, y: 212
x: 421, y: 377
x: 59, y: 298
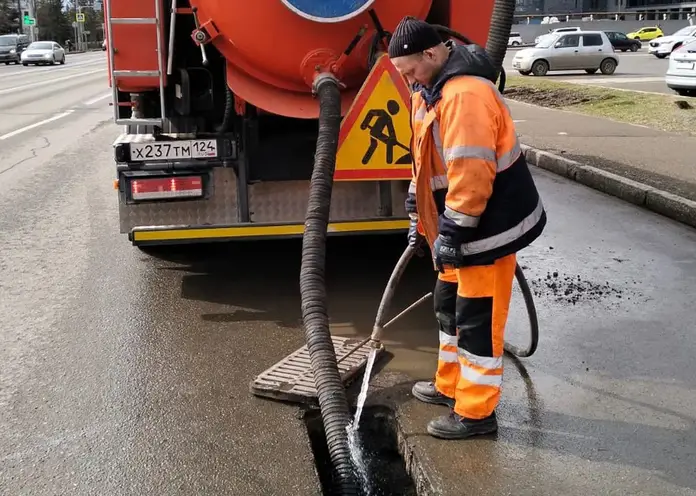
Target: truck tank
x: 272, y: 49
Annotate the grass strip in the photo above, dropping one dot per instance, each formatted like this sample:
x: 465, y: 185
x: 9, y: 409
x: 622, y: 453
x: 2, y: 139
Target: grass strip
x: 666, y: 113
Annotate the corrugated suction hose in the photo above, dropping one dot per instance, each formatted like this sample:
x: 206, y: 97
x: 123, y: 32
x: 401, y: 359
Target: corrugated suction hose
x: 330, y: 391
x: 499, y: 31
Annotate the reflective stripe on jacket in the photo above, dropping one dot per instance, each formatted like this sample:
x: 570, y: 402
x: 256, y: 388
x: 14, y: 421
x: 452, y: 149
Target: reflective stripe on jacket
x: 471, y: 181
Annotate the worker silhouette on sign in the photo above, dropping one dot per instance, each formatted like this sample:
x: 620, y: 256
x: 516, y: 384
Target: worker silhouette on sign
x: 381, y: 127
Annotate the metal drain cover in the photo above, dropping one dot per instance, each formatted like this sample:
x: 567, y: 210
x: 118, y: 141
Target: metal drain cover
x: 292, y: 379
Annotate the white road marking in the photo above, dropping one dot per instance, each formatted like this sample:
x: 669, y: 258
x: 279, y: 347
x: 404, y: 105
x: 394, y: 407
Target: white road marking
x: 35, y: 125
x: 614, y: 80
x: 37, y: 70
x: 563, y: 133
x: 48, y: 81
x: 97, y: 99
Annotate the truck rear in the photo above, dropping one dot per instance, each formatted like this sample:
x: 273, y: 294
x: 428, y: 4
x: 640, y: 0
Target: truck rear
x: 220, y: 121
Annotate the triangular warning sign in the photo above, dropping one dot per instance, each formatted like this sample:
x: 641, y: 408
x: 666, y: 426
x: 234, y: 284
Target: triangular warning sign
x: 375, y: 139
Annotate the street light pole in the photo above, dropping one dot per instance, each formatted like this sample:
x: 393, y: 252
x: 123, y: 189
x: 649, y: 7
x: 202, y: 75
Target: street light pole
x: 20, y: 17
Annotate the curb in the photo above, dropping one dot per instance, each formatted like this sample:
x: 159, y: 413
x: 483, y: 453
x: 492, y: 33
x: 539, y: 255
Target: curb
x: 675, y: 207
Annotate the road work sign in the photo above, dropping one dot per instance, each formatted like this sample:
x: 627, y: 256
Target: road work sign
x: 375, y: 138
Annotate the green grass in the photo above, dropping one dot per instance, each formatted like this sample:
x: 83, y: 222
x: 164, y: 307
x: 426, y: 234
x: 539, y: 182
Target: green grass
x: 655, y: 111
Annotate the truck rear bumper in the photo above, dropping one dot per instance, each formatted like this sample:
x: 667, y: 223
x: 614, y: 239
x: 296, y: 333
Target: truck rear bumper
x: 162, y: 235
x: 276, y: 210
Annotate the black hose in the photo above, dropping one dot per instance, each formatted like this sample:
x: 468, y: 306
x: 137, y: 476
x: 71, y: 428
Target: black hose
x: 229, y: 103
x: 454, y: 34
x: 330, y: 391
x: 499, y: 32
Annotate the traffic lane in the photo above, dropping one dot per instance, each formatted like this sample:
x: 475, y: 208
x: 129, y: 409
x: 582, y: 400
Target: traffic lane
x: 33, y: 77
x: 71, y: 62
x: 123, y: 374
x: 598, y: 409
x: 636, y: 64
x: 24, y: 107
x: 636, y: 71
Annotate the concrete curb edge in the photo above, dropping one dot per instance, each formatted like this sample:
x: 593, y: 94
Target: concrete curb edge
x: 675, y: 207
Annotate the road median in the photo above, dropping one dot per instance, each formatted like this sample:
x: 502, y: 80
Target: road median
x: 670, y: 205
x: 662, y: 112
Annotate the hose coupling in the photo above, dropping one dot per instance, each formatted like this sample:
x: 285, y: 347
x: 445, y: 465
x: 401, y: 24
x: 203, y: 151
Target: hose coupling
x: 322, y: 78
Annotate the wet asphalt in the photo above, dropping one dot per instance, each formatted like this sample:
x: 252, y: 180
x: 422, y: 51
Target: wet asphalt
x: 127, y: 373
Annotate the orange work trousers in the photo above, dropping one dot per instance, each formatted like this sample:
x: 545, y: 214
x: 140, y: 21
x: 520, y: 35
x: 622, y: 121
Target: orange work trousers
x: 471, y: 306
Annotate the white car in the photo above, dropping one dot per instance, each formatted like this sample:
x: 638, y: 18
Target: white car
x: 43, y: 52
x: 515, y: 39
x: 663, y: 46
x: 588, y: 50
x: 554, y: 32
x: 681, y: 73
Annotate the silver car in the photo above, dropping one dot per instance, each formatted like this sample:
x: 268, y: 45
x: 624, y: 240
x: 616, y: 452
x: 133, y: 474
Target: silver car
x: 43, y: 52
x: 587, y: 50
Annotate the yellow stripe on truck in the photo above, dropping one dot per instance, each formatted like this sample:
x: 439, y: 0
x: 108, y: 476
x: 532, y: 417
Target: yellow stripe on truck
x: 261, y: 231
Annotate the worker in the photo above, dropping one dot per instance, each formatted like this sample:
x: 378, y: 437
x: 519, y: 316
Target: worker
x: 473, y: 200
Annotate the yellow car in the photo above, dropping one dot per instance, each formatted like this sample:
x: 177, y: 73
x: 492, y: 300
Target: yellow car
x: 646, y: 34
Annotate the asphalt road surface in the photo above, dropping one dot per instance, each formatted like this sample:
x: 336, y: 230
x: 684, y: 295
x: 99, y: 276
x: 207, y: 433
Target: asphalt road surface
x: 123, y: 373
x: 30, y: 95
x: 637, y: 71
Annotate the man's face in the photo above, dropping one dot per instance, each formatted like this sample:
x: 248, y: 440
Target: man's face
x: 418, y: 68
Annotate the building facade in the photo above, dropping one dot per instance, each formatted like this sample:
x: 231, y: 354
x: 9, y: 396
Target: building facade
x: 541, y: 7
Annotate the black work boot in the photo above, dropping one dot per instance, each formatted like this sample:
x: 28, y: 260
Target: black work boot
x: 426, y: 392
x: 454, y: 426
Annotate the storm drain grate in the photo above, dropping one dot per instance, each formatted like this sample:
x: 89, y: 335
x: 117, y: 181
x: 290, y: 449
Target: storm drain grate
x: 292, y: 379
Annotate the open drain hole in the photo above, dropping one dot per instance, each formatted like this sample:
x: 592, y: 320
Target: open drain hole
x: 385, y: 467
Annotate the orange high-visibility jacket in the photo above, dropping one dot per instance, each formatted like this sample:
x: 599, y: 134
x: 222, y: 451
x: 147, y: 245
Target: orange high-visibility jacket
x: 470, y: 180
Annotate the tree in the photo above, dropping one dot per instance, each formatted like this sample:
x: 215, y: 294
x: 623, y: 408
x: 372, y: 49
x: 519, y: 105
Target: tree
x: 9, y: 17
x: 52, y: 22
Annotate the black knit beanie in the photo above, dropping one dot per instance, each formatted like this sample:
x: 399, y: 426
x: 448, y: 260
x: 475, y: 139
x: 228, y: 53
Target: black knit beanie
x: 412, y: 36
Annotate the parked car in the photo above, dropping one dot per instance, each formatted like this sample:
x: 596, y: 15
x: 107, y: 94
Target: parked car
x: 622, y: 42
x: 43, y: 52
x: 663, y: 46
x: 646, y: 34
x: 12, y: 46
x: 515, y: 39
x: 681, y: 72
x: 554, y: 32
x: 587, y: 50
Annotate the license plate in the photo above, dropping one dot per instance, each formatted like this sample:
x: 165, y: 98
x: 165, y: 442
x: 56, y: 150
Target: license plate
x: 685, y: 65
x: 515, y: 65
x: 173, y: 150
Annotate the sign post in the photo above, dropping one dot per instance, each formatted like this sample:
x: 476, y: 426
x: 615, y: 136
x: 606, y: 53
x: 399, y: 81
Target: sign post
x: 80, y: 19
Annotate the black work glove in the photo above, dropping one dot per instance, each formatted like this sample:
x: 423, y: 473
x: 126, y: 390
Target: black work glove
x: 446, y: 252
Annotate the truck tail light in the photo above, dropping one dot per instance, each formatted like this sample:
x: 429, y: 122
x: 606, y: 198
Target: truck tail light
x: 164, y: 188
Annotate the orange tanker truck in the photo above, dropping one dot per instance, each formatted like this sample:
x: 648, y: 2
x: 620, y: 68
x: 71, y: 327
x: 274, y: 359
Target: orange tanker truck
x: 219, y: 110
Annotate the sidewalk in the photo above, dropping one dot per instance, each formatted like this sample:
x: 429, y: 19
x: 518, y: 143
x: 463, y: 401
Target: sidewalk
x: 659, y: 159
